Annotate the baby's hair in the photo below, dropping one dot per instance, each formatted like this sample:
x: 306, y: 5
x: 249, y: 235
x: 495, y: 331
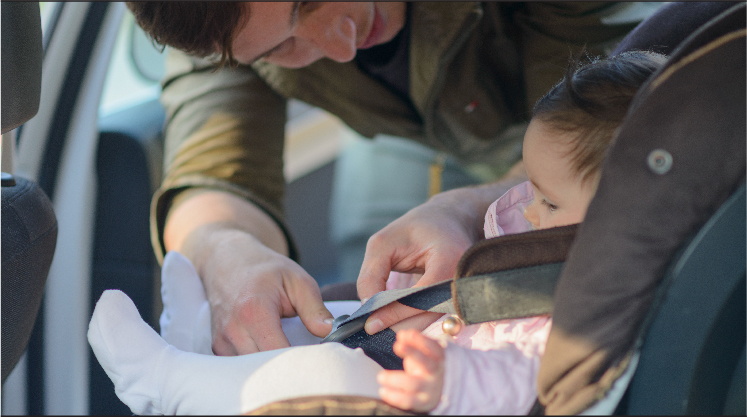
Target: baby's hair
x: 591, y: 102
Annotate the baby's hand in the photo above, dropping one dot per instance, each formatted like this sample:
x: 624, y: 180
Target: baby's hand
x: 418, y: 387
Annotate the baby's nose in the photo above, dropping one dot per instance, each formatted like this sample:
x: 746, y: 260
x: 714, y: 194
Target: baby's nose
x: 531, y: 215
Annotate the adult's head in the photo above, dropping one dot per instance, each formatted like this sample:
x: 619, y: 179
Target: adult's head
x: 288, y: 34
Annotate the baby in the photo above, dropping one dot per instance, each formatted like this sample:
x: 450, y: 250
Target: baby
x: 487, y: 368
x: 565, y: 143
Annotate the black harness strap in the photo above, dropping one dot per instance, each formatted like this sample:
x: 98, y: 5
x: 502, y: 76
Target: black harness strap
x: 523, y: 290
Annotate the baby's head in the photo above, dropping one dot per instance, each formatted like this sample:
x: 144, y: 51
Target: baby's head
x: 571, y: 129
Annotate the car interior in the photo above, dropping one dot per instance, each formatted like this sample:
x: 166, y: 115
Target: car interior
x: 93, y: 145
x: 81, y: 158
x: 29, y: 226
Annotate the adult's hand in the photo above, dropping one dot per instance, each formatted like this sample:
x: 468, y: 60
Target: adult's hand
x: 429, y: 239
x: 240, y: 254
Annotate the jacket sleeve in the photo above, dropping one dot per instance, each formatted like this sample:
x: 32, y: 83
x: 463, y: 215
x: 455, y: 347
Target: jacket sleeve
x: 224, y: 131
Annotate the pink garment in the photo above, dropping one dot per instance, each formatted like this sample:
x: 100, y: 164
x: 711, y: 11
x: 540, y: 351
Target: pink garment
x: 399, y: 280
x: 506, y: 215
x: 491, y: 368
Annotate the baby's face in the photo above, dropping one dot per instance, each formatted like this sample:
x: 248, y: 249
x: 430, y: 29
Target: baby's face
x: 560, y: 197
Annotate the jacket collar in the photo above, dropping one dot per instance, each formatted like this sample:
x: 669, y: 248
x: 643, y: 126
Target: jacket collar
x: 438, y: 30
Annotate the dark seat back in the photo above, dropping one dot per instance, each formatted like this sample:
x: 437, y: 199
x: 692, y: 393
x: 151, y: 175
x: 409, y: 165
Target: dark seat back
x: 22, y: 62
x: 29, y: 235
x: 697, y: 337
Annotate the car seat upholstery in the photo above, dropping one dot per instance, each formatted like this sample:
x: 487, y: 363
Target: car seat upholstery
x: 678, y: 157
x: 29, y: 226
x: 29, y: 236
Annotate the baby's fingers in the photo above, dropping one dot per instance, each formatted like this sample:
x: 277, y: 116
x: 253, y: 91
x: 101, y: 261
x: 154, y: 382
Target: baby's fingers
x: 404, y: 391
x: 417, y: 403
x: 401, y: 381
x: 421, y: 356
x: 412, y: 339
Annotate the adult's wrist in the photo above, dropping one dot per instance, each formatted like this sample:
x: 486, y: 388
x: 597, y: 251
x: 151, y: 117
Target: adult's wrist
x: 205, y: 245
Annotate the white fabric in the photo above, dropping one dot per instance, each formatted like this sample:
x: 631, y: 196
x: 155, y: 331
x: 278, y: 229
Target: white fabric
x: 185, y: 320
x: 152, y: 375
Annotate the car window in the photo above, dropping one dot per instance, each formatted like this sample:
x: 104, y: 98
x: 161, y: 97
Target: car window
x: 135, y: 69
x: 47, y: 10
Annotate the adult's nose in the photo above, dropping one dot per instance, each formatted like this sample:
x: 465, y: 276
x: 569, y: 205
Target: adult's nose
x: 336, y: 39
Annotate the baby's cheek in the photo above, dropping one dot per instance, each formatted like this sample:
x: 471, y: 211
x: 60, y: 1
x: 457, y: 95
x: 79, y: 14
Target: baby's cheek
x: 563, y: 219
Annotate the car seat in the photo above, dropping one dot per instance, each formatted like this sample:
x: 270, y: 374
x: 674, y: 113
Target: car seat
x: 29, y: 226
x: 663, y: 284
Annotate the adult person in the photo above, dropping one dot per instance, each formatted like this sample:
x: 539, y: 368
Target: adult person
x: 458, y: 77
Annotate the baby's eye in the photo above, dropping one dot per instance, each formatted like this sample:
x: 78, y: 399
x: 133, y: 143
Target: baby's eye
x: 549, y: 205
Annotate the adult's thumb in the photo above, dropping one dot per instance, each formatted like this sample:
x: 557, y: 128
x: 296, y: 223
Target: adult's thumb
x: 312, y: 312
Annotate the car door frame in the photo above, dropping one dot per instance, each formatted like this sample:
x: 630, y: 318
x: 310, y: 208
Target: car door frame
x: 57, y: 148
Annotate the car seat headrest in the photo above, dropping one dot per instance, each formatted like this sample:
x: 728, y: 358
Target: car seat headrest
x: 22, y: 62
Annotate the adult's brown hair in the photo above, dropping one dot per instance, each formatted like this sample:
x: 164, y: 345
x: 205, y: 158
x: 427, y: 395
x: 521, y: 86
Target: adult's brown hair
x: 198, y: 28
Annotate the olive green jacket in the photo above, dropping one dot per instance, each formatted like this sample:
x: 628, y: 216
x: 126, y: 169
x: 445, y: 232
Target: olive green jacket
x: 475, y: 70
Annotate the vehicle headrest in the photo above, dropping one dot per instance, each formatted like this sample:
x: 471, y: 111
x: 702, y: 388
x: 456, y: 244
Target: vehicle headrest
x: 22, y: 62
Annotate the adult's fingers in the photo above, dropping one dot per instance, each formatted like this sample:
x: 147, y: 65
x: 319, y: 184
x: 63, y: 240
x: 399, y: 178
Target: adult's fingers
x: 388, y: 315
x: 417, y: 322
x: 439, y: 270
x: 262, y: 321
x: 402, y: 317
x: 222, y: 347
x: 254, y: 325
x: 306, y: 299
x: 374, y: 269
